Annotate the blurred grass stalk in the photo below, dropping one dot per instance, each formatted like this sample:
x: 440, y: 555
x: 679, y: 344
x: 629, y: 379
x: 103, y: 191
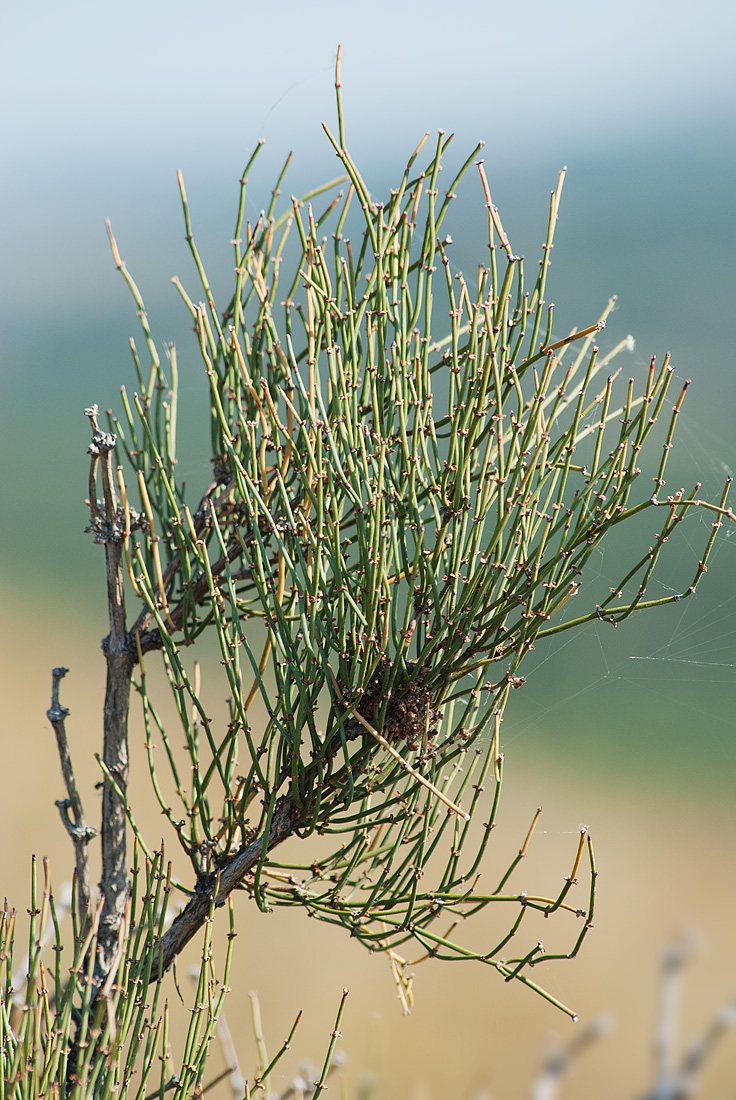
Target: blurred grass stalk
x: 400, y: 509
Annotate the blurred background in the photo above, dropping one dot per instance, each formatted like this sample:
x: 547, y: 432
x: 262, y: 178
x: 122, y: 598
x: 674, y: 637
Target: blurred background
x: 630, y: 731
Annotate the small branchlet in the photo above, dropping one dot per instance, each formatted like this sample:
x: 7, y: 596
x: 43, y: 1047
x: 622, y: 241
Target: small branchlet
x: 79, y: 830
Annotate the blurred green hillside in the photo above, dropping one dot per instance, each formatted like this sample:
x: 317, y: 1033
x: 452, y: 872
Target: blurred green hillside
x: 646, y: 223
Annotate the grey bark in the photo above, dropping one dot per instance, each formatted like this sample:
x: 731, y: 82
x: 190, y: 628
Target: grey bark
x: 107, y: 522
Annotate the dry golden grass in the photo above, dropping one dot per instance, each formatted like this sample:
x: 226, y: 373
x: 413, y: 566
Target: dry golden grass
x: 664, y: 866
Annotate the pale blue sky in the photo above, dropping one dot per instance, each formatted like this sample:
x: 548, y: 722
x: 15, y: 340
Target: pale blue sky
x: 88, y: 75
x: 103, y: 101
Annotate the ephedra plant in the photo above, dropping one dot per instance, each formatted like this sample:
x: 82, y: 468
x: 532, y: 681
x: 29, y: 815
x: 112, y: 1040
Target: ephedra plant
x: 409, y: 478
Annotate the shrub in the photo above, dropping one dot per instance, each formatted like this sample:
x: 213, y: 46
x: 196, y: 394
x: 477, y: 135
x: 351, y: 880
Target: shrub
x: 401, y: 507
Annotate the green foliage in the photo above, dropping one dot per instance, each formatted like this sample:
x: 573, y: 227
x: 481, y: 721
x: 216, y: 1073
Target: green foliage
x: 61, y: 1037
x: 401, y: 507
x: 400, y: 510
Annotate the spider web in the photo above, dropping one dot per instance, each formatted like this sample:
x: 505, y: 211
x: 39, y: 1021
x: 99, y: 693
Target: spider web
x: 653, y: 697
